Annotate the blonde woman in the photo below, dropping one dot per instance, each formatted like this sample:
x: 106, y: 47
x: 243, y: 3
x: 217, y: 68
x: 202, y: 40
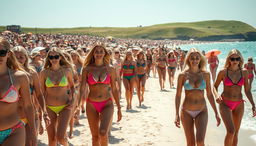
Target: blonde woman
x: 101, y: 79
x: 36, y: 61
x: 231, y: 103
x: 58, y: 87
x: 14, y: 86
x: 172, y: 65
x: 35, y: 92
x: 142, y: 75
x: 161, y: 64
x: 195, y: 80
x: 250, y: 67
x: 129, y: 70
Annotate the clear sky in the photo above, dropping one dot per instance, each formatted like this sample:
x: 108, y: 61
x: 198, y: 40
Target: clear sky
x: 122, y: 13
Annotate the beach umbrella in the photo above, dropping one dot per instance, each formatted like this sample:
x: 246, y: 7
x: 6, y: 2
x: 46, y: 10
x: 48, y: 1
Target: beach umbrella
x: 214, y: 51
x: 37, y: 49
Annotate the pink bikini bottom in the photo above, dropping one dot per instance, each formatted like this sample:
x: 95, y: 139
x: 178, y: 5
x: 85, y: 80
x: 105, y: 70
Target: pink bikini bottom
x: 232, y: 104
x: 99, y: 106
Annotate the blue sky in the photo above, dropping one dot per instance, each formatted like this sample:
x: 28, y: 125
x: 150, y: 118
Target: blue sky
x: 122, y: 13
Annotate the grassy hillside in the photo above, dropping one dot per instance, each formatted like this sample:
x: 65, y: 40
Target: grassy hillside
x: 160, y: 31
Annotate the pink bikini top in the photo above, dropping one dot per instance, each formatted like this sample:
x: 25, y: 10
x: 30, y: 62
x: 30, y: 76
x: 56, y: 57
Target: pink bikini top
x: 172, y: 60
x: 91, y: 80
x: 229, y: 82
x: 11, y: 95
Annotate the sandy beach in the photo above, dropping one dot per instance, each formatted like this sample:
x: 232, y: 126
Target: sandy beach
x: 152, y: 124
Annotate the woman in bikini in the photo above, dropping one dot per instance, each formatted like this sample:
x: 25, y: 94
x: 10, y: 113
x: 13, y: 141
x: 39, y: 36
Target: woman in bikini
x: 149, y: 62
x: 58, y: 88
x: 213, y: 62
x: 36, y: 61
x: 35, y: 92
x: 141, y: 74
x: 195, y: 80
x: 181, y: 59
x: 101, y: 79
x: 161, y: 63
x: 250, y: 67
x: 117, y: 63
x: 129, y: 77
x: 231, y: 103
x: 14, y: 86
x: 172, y: 64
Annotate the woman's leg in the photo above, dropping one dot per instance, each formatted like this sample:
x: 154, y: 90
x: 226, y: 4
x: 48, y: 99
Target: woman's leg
x: 133, y: 84
x: 227, y: 118
x: 160, y: 77
x: 164, y: 76
x: 63, y: 121
x: 139, y: 90
x: 127, y: 91
x: 170, y: 77
x: 201, y: 124
x: 93, y: 120
x: 188, y: 125
x: 143, y: 83
x: 105, y: 122
x: 51, y: 129
x: 17, y: 138
x: 250, y: 83
x: 237, y: 118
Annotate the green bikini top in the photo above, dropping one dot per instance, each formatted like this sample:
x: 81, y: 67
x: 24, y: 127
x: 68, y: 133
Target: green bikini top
x: 63, y: 82
x: 128, y: 66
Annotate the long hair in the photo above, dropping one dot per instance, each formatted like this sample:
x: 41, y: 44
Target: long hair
x: 90, y: 58
x: 63, y: 61
x: 143, y: 55
x: 22, y: 50
x: 79, y: 60
x: 12, y: 62
x: 202, y: 63
x: 232, y: 52
x: 128, y: 51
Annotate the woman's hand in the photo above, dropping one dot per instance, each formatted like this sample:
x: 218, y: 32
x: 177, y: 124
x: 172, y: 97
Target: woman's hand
x: 47, y: 120
x: 218, y: 119
x: 253, y: 112
x: 177, y: 121
x: 219, y: 100
x: 119, y: 115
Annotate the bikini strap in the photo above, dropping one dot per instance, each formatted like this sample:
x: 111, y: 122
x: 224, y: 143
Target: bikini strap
x: 10, y: 76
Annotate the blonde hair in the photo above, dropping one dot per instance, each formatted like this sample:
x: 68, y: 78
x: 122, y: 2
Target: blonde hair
x: 232, y: 52
x: 143, y: 55
x: 63, y: 61
x: 90, y: 58
x: 80, y: 60
x: 22, y: 50
x: 202, y: 63
x: 12, y: 62
x: 128, y: 51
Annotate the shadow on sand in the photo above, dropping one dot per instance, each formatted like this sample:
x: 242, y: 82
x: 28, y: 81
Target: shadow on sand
x: 114, y: 140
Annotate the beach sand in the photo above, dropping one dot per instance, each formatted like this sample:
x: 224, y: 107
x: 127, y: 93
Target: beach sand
x: 152, y: 124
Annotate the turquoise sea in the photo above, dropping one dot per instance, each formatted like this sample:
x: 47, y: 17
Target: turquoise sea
x: 247, y: 49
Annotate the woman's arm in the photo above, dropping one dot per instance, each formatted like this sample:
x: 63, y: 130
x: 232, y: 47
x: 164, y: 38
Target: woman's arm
x: 83, y: 85
x: 38, y: 91
x: 216, y: 85
x: 248, y: 92
x: 28, y: 107
x: 115, y: 93
x: 178, y: 98
x: 70, y: 76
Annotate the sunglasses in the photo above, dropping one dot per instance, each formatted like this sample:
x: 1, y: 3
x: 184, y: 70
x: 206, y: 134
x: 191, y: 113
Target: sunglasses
x: 250, y: 60
x: 54, y: 57
x: 3, y: 53
x: 235, y: 59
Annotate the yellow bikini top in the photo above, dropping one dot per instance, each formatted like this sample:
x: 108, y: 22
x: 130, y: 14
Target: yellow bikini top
x: 63, y: 82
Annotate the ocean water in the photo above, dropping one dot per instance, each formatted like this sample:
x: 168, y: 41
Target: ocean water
x: 248, y: 49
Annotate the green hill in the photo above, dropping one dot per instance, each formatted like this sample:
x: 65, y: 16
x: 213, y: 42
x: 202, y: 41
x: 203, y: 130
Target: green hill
x: 215, y: 29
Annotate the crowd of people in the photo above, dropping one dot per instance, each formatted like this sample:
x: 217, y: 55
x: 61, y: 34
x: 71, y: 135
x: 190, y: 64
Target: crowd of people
x: 52, y: 79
